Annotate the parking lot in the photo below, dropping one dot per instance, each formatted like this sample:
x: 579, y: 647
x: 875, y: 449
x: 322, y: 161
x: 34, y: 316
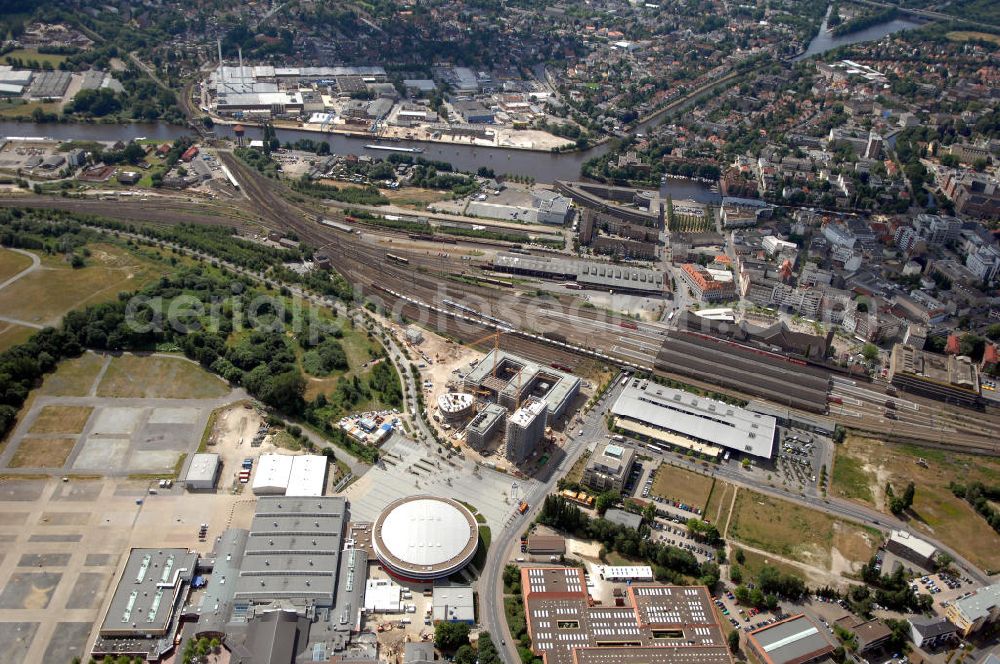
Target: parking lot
x: 799, y: 458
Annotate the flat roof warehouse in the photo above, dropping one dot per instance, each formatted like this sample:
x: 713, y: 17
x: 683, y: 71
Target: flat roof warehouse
x: 663, y: 411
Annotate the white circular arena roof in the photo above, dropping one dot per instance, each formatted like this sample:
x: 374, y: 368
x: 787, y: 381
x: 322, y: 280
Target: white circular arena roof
x: 425, y: 537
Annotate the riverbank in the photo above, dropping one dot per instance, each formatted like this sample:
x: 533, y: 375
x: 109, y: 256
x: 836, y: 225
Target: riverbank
x: 504, y: 138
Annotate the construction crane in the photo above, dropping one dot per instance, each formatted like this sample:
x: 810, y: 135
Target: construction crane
x: 495, y: 335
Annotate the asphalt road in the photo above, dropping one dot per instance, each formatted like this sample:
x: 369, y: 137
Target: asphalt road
x: 490, y: 584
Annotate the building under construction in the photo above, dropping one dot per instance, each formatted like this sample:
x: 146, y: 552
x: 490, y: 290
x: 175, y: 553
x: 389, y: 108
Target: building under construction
x: 510, y: 380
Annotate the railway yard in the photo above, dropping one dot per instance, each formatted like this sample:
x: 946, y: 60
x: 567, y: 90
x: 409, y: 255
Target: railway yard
x: 556, y: 328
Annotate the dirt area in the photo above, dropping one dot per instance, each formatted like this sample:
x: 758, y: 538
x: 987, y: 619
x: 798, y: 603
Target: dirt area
x: 42, y: 452
x: 232, y: 430
x: 864, y: 466
x: 401, y: 627
x: 673, y: 483
x: 61, y: 419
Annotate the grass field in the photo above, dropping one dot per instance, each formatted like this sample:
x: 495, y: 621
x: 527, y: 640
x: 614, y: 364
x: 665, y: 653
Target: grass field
x: 33, y: 54
x: 414, y: 197
x: 43, y: 296
x: 13, y: 109
x: 61, y: 419
x: 850, y: 479
x: 675, y: 483
x: 11, y: 263
x: 42, y: 452
x: 753, y: 562
x: 967, y: 35
x: 150, y: 377
x: 717, y: 511
x: 575, y: 473
x: 798, y: 533
x: 936, y: 511
x: 12, y: 334
x: 74, y: 377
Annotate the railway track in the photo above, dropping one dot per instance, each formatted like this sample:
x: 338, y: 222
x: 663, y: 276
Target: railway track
x: 364, y: 264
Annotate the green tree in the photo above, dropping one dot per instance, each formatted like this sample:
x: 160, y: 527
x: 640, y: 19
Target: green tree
x: 449, y: 636
x: 734, y: 641
x: 869, y: 352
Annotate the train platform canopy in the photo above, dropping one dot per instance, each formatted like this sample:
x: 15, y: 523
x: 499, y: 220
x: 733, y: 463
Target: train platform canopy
x: 669, y: 411
x: 596, y: 274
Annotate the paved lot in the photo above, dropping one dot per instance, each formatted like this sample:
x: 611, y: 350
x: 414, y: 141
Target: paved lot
x: 124, y: 436
x: 410, y: 468
x: 60, y: 553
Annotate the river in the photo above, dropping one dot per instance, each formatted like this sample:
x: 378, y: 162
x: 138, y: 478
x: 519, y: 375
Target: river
x: 544, y: 167
x: 824, y: 41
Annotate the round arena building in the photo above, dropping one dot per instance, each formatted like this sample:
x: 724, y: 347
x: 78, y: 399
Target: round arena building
x: 422, y: 538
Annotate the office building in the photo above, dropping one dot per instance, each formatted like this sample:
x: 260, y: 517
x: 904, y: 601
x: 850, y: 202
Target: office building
x: 972, y: 613
x: 525, y: 430
x: 949, y: 378
x: 912, y: 548
x: 485, y: 426
x: 608, y: 468
x: 510, y: 380
x: 930, y: 633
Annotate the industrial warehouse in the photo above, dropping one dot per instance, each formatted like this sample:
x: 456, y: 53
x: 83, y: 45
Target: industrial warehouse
x: 297, y: 581
x: 680, y: 419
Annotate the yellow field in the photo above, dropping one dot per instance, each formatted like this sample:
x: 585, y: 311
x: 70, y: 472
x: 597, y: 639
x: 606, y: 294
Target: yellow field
x: 673, y: 483
x: 967, y: 35
x: 42, y: 452
x: 150, y: 377
x: 798, y: 533
x: 867, y: 465
x: 73, y: 378
x: 45, y: 295
x: 11, y: 263
x: 11, y: 335
x: 61, y: 419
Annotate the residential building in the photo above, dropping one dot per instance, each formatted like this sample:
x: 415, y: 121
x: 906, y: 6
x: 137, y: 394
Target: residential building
x: 868, y: 634
x: 930, y: 633
x: 937, y: 230
x: 609, y: 467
